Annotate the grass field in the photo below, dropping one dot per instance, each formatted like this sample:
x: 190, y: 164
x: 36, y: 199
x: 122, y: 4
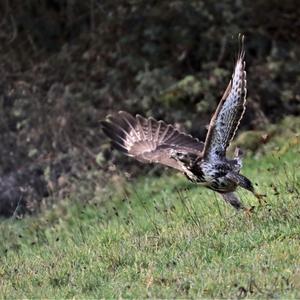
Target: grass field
x: 163, y: 238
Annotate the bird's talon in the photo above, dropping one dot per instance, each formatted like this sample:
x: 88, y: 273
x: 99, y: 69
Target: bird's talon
x: 260, y: 198
x: 252, y: 208
x: 249, y: 211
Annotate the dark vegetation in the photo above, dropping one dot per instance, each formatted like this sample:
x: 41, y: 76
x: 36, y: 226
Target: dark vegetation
x: 66, y: 64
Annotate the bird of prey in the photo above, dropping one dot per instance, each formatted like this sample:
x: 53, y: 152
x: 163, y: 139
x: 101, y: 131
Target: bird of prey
x: 151, y: 141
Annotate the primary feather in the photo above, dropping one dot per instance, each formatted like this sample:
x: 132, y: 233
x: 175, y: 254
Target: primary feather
x: 229, y: 113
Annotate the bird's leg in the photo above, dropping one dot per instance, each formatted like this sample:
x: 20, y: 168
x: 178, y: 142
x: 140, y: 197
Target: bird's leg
x: 233, y: 199
x: 245, y: 183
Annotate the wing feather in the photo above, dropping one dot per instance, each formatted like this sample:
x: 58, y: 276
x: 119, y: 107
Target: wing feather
x: 227, y: 117
x: 156, y: 134
x: 149, y: 140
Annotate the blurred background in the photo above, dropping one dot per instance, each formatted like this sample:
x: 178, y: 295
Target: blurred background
x: 66, y: 64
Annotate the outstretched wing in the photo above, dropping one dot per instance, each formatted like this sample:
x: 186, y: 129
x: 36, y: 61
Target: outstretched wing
x: 227, y: 117
x: 148, y: 140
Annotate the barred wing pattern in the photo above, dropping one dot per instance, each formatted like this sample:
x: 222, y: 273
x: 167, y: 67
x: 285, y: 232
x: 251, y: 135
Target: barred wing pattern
x: 148, y: 140
x: 229, y: 113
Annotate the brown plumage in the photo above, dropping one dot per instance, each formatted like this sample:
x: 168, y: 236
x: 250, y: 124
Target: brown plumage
x: 151, y: 141
x: 229, y: 113
x: 148, y: 140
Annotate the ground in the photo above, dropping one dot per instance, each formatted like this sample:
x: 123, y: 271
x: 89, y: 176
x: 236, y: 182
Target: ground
x: 163, y: 238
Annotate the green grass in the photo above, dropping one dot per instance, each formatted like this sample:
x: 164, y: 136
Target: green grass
x: 163, y: 237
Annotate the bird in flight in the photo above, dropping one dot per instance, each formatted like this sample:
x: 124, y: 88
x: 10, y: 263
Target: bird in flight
x: 151, y: 141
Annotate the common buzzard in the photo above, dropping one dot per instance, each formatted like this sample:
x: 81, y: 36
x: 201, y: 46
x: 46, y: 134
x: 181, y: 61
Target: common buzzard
x: 151, y: 141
